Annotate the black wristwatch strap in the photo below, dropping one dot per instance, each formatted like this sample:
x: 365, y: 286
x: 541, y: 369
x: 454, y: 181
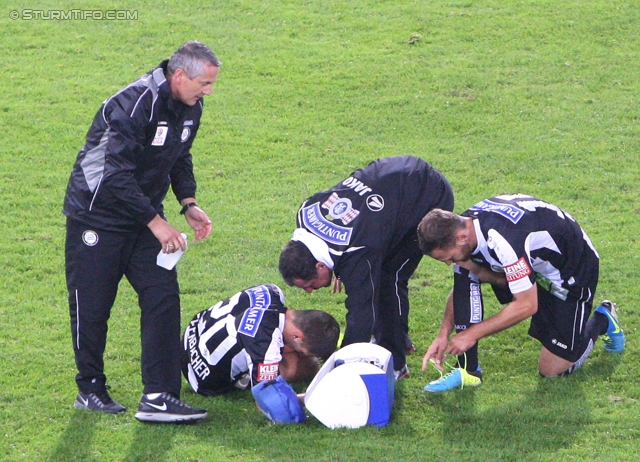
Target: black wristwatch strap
x: 187, y: 206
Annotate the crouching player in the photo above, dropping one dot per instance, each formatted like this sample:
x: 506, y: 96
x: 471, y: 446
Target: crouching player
x: 252, y: 337
x: 540, y: 263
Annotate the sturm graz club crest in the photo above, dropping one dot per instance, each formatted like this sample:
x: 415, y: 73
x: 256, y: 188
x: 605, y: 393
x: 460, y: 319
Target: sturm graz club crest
x: 375, y: 202
x: 340, y: 209
x: 90, y: 237
x: 325, y: 229
x: 185, y: 134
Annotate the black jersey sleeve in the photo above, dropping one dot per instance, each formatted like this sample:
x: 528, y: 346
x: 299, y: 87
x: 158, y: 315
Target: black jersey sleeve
x: 360, y: 273
x: 264, y: 349
x: 259, y: 331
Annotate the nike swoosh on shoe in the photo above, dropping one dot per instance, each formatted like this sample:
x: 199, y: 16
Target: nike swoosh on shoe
x: 617, y: 326
x: 160, y: 408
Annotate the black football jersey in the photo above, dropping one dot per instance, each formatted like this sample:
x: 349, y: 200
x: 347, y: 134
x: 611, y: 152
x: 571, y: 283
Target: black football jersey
x: 240, y: 334
x: 531, y: 241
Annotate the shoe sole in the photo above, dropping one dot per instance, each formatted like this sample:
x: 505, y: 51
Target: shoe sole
x: 616, y: 349
x: 609, y: 350
x: 169, y: 418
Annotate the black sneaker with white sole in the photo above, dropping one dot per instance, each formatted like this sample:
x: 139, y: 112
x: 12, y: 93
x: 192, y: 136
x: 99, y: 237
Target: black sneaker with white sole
x: 99, y: 401
x: 166, y: 408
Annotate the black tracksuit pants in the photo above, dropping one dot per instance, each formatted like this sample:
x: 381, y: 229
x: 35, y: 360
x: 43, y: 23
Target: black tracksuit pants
x: 96, y: 260
x: 392, y: 327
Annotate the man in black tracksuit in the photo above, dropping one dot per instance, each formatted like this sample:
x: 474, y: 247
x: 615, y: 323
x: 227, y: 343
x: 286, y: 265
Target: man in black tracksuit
x: 138, y: 145
x: 363, y: 230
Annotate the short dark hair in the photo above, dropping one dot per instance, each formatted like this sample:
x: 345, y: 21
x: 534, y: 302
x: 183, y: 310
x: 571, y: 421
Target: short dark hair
x: 297, y: 262
x: 321, y: 332
x: 192, y: 57
x: 437, y: 230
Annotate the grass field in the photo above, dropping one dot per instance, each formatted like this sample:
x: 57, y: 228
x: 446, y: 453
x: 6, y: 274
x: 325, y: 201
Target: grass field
x: 538, y: 97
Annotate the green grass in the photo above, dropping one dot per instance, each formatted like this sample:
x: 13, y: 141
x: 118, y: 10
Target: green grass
x: 538, y: 97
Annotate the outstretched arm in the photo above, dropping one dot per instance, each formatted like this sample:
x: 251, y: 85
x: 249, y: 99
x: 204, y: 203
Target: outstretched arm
x: 484, y: 274
x: 525, y: 305
x: 170, y: 238
x: 437, y: 349
x: 197, y: 219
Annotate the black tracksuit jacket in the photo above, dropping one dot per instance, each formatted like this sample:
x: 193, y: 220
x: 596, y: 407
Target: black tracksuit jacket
x: 369, y: 222
x: 138, y: 144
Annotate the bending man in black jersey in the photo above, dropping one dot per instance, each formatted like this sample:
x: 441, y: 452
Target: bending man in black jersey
x: 539, y: 262
x: 252, y: 337
x: 363, y: 230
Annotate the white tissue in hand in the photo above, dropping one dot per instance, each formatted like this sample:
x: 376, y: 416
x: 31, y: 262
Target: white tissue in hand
x: 169, y: 260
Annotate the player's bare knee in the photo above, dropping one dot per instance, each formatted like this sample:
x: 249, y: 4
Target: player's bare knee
x: 552, y: 376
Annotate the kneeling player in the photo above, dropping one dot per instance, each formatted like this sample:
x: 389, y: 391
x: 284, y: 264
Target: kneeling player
x: 252, y: 337
x: 540, y: 263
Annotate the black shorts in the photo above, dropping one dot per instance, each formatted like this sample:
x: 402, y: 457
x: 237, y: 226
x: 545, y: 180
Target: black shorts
x: 558, y: 324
